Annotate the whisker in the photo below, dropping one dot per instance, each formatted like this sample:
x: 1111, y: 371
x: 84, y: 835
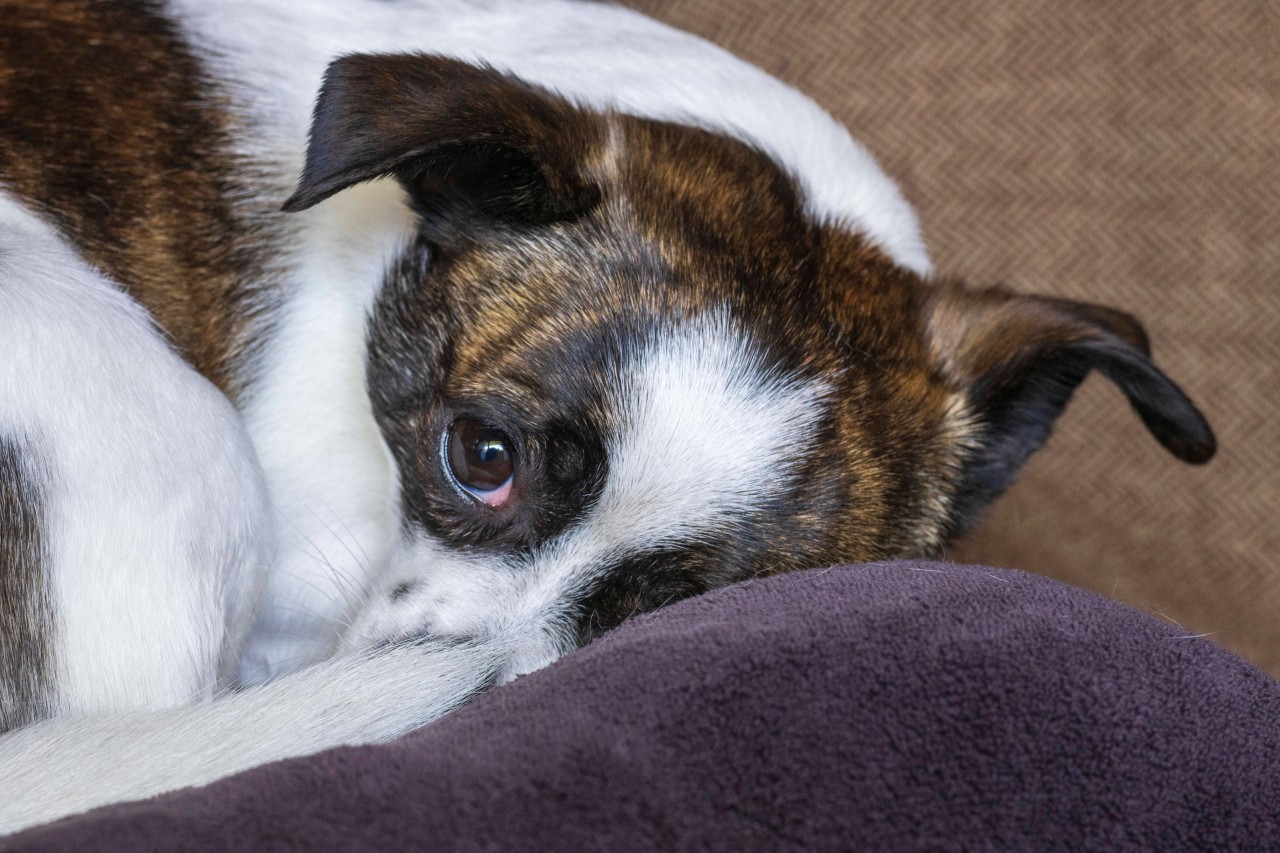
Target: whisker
x: 297, y: 607
x: 318, y: 555
x: 367, y: 564
x: 342, y: 604
x: 339, y: 577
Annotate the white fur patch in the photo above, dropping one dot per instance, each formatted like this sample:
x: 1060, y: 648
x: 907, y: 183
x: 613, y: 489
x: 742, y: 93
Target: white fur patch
x: 331, y: 476
x: 156, y: 508
x: 709, y: 434
x: 706, y: 435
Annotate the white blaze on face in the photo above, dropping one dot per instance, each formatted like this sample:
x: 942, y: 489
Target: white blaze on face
x: 708, y: 432
x: 705, y: 433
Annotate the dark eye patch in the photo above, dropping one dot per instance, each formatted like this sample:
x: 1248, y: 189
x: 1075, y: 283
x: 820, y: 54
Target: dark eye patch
x: 644, y: 582
x: 452, y: 463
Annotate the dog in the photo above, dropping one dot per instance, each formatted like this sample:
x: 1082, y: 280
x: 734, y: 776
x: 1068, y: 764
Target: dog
x: 569, y: 315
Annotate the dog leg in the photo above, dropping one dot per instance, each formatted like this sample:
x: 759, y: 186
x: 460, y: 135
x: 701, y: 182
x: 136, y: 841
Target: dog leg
x: 147, y: 525
x: 67, y: 765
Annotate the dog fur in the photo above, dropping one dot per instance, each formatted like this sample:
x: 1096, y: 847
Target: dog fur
x: 698, y: 318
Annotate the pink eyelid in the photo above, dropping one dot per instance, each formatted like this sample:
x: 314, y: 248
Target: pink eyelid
x: 497, y: 497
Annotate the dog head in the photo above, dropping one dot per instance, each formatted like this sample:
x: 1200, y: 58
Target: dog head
x: 620, y: 364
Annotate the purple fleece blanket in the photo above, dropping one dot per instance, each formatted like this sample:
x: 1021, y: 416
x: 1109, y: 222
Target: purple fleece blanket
x: 895, y: 706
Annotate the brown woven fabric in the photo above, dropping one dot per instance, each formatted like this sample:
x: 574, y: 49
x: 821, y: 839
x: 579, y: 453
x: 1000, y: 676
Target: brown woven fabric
x: 1124, y: 153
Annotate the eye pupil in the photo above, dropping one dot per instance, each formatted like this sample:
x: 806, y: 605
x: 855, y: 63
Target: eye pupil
x: 479, y: 456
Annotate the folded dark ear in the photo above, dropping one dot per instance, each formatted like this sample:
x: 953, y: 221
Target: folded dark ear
x: 1019, y: 358
x: 463, y: 139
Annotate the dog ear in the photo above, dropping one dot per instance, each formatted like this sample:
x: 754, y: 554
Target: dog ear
x: 464, y: 140
x: 1019, y: 359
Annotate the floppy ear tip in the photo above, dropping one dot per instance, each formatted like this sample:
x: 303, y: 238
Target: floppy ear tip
x: 308, y: 194
x: 1201, y: 453
x: 322, y: 177
x: 311, y: 191
x: 1186, y: 434
x: 296, y: 203
x: 1195, y: 449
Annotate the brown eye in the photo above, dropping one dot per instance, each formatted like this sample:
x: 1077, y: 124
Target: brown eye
x: 480, y: 460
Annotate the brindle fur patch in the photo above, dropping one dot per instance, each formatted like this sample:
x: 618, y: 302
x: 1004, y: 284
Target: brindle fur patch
x: 113, y: 132
x: 27, y: 619
x: 528, y: 328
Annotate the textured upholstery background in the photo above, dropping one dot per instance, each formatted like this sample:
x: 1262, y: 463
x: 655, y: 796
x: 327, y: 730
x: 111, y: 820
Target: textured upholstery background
x: 1125, y: 153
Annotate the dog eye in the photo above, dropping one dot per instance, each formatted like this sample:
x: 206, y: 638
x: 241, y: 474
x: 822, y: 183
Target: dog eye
x: 480, y: 460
